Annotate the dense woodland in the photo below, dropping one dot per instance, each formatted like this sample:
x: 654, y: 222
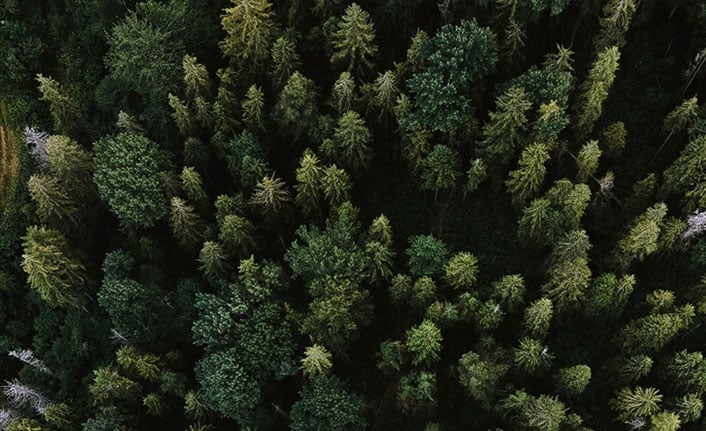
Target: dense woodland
x: 321, y: 215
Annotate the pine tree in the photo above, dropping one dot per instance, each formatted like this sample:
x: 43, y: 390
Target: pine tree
x: 50, y: 268
x: 424, y: 343
x: 689, y: 407
x: 681, y: 116
x: 49, y: 198
x: 195, y: 78
x: 350, y: 144
x: 353, y: 42
x: 573, y: 380
x: 109, y: 386
x: 651, y: 333
x: 343, y: 93
x: 587, y: 160
x: 192, y: 184
x: 270, y: 195
x: 64, y: 112
x: 638, y: 402
x: 386, y: 92
x: 296, y: 108
x: 440, y: 169
x: 285, y: 60
x: 634, y: 368
x: 212, y: 258
x: 253, y: 106
x: 184, y: 222
x: 615, y: 22
x: 531, y: 355
x: 316, y: 361
x: 462, y: 270
x: 481, y: 377
x: 237, y: 233
x: 250, y: 28
x: 336, y: 185
x: 614, y: 138
x: 326, y: 404
x: 181, y: 114
x: 527, y: 179
x: 538, y: 317
x: 309, y: 182
x: 503, y: 134
x: 641, y: 240
x: 595, y: 88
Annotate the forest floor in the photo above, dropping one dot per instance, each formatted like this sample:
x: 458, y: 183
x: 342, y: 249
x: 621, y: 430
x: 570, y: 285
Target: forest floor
x: 9, y: 163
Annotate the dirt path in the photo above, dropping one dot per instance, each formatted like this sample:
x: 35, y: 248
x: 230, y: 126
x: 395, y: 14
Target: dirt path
x: 9, y: 164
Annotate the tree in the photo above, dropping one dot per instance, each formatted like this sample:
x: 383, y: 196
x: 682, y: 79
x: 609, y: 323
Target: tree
x: 195, y: 77
x: 316, y: 361
x: 426, y: 255
x: 386, y: 92
x: 353, y: 42
x: 532, y: 356
x: 542, y: 413
x: 638, y: 402
x: 336, y: 185
x: 127, y: 176
x: 184, y: 221
x: 253, y: 106
x: 285, y: 60
x: 51, y: 269
x: 66, y: 115
x: 440, y: 168
x: 212, y: 258
x: 568, y: 281
x: 688, y: 370
x: 587, y: 160
x: 573, y: 380
x: 614, y: 137
x: 343, y: 93
x: 109, y: 386
x: 250, y: 28
x: 641, y: 240
x: 454, y: 58
x: 461, y: 271
x: 527, y: 179
x: 181, y: 115
x: 270, y: 195
x: 480, y: 377
x: 681, y: 116
x: 424, y: 343
x: 349, y: 145
x: 503, y: 134
x: 192, y: 184
x: 236, y: 232
x: 651, y: 333
x: 686, y: 174
x: 326, y: 404
x: 615, y: 22
x: 476, y: 174
x: 417, y: 391
x: 509, y: 290
x: 50, y: 198
x: 689, y: 407
x: 595, y: 89
x: 296, y: 108
x: 538, y: 317
x: 309, y: 178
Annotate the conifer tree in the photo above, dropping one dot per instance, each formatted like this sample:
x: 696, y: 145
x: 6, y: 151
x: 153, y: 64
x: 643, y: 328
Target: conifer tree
x: 680, y: 117
x: 192, y: 184
x: 270, y: 195
x: 615, y: 22
x: 614, y: 138
x: 296, y: 107
x: 65, y: 113
x: 503, y: 134
x: 50, y: 269
x: 236, y: 232
x: 587, y: 160
x: 212, y: 258
x: 595, y: 88
x: 49, y: 197
x: 531, y: 355
x: 195, y: 78
x: 181, y: 114
x: 462, y: 270
x: 349, y: 145
x: 336, y: 185
x: 573, y: 380
x: 440, y: 169
x: 538, y: 317
x: 637, y: 402
x: 528, y: 178
x: 641, y: 240
x: 309, y: 182
x: 353, y: 42
x: 343, y: 93
x: 424, y: 343
x: 253, y: 106
x: 634, y: 368
x: 480, y: 377
x: 316, y: 361
x: 250, y: 28
x: 386, y: 92
x: 285, y: 60
x: 184, y: 221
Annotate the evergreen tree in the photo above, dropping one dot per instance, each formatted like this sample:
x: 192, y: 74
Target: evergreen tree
x: 353, y: 42
x: 641, y: 240
x: 316, y: 361
x: 480, y: 377
x: 529, y: 176
x: 309, y: 182
x: 615, y: 22
x: 461, y: 271
x: 250, y: 28
x: 424, y: 343
x: 538, y: 317
x: 426, y: 255
x: 65, y: 113
x: 638, y: 402
x: 270, y: 195
x: 192, y: 184
x: 285, y: 60
x: 587, y: 160
x: 573, y: 380
x: 503, y: 134
x: 531, y: 355
x: 253, y: 106
x: 326, y: 404
x: 440, y: 169
x: 196, y: 78
x: 296, y: 107
x: 336, y: 185
x: 595, y: 89
x: 651, y: 333
x: 343, y: 93
x: 184, y: 221
x: 212, y: 258
x: 50, y: 268
x: 49, y: 198
x: 349, y: 145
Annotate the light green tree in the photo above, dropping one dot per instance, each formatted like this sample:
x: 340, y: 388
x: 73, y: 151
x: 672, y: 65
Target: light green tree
x: 350, y: 144
x: 595, y: 88
x: 316, y: 361
x: 353, y: 42
x: 424, y: 343
x: 527, y: 179
x: 587, y: 160
x: 253, y: 106
x: 250, y: 29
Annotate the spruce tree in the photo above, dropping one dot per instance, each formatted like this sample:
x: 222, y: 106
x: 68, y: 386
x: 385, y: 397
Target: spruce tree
x: 595, y: 88
x: 353, y: 42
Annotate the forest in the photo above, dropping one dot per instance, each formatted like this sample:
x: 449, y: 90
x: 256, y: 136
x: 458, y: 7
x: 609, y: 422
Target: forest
x: 336, y: 215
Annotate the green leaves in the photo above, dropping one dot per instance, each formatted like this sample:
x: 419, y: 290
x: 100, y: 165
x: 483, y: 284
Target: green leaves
x: 453, y: 58
x: 326, y: 404
x: 127, y: 176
